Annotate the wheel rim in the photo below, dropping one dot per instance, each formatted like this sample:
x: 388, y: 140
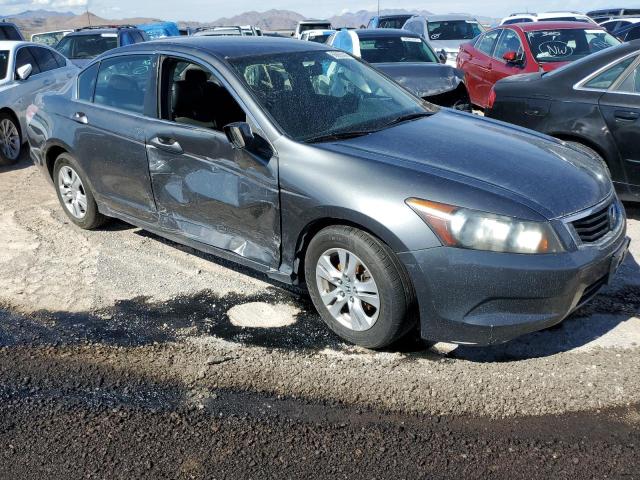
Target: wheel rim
x: 348, y: 290
x: 72, y: 192
x: 9, y: 139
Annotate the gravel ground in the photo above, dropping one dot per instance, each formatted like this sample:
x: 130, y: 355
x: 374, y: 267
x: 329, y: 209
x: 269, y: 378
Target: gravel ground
x: 119, y: 333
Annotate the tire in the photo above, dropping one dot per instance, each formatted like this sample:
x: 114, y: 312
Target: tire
x: 590, y: 151
x: 10, y: 140
x: 83, y: 213
x: 382, y: 325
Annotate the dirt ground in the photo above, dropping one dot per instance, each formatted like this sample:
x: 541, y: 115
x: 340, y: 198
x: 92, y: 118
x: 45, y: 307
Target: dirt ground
x: 123, y: 355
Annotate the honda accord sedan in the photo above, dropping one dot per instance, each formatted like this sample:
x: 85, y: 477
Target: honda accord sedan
x: 307, y: 164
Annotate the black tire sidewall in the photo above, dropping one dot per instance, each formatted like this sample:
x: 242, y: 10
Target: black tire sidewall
x: 4, y: 161
x: 392, y: 319
x: 93, y: 218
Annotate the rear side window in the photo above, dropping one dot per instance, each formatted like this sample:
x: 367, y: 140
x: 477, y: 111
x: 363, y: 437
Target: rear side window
x: 517, y: 20
x: 605, y: 79
x: 45, y: 59
x: 9, y: 32
x: 24, y: 57
x: 87, y: 83
x: 487, y: 41
x: 60, y: 60
x: 122, y: 82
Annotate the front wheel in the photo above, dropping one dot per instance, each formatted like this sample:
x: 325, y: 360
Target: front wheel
x: 10, y: 140
x: 359, y: 287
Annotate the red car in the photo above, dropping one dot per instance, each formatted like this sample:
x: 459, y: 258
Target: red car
x: 526, y: 48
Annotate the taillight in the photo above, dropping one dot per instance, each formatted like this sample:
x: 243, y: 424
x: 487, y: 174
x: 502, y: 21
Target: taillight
x: 492, y: 98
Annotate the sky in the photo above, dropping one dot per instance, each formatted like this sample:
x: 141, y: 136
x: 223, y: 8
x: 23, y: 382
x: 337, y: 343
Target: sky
x: 204, y: 10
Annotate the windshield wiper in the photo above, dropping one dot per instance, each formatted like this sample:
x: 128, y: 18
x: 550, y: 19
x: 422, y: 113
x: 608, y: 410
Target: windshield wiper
x: 339, y: 136
x: 408, y: 117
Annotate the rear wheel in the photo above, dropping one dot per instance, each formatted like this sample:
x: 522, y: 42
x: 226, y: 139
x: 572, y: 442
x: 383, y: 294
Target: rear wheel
x: 359, y: 287
x: 10, y: 140
x: 75, y: 195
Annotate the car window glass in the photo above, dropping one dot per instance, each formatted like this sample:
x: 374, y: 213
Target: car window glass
x: 87, y: 45
x: 4, y: 63
x: 45, y: 59
x: 194, y: 96
x: 486, y: 43
x: 454, y: 30
x: 126, y: 39
x: 509, y: 42
x: 605, y: 79
x: 633, y: 34
x: 631, y: 84
x: 87, y: 82
x: 517, y: 20
x: 9, y: 32
x: 60, y: 60
x: 564, y: 45
x: 392, y: 22
x: 122, y: 82
x: 24, y: 57
x: 396, y: 49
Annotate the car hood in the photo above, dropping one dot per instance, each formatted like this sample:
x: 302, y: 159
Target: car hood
x: 447, y: 45
x: 423, y: 79
x: 539, y: 172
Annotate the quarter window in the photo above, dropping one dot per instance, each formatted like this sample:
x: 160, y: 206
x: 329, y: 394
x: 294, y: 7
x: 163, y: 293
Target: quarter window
x: 605, y: 79
x: 631, y: 84
x: 122, y: 82
x: 45, y: 59
x: 87, y: 83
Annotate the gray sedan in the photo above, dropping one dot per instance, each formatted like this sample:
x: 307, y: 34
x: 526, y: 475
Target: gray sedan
x: 26, y: 69
x: 306, y: 164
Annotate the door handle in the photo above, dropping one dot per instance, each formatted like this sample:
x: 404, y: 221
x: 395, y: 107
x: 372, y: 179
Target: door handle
x: 626, y: 116
x: 80, y: 117
x: 167, y: 144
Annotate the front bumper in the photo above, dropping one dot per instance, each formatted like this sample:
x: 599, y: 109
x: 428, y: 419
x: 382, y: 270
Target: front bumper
x: 482, y: 298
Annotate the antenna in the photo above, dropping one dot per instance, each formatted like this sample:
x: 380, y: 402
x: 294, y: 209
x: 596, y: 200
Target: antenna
x: 378, y: 7
x: 88, y: 16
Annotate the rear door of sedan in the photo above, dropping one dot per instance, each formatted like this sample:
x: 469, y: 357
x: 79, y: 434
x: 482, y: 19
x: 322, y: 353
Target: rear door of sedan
x: 476, y: 62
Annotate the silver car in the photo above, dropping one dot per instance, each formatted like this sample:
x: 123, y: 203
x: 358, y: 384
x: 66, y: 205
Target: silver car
x: 26, y: 69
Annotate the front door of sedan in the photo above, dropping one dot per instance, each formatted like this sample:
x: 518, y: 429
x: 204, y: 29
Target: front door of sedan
x: 508, y: 42
x: 477, y: 65
x: 205, y: 189
x: 620, y: 107
x: 109, y: 137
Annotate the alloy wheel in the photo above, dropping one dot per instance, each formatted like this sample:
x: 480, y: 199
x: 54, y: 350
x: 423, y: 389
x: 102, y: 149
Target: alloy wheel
x: 72, y: 192
x: 348, y: 289
x: 9, y: 139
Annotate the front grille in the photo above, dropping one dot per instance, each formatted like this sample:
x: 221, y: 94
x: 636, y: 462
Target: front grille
x: 597, y: 224
x: 592, y: 290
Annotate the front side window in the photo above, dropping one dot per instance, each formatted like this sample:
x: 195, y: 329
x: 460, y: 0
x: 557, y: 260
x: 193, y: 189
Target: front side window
x: 24, y: 57
x: 4, y: 63
x: 509, y: 42
x: 87, y: 46
x: 568, y: 44
x: 44, y: 57
x: 192, y: 95
x: 454, y: 30
x: 396, y: 49
x: 122, y: 82
x: 487, y: 41
x: 312, y: 95
x: 605, y: 79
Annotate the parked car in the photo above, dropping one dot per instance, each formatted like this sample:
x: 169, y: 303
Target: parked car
x: 389, y: 21
x: 524, y: 48
x: 410, y: 61
x: 160, y: 29
x: 305, y: 25
x: 600, y: 16
x: 87, y: 43
x: 445, y: 33
x: 628, y: 33
x: 615, y: 24
x: 49, y: 39
x: 546, y: 17
x: 318, y: 36
x: 233, y: 31
x: 593, y: 103
x: 320, y: 169
x: 10, y: 31
x: 26, y: 69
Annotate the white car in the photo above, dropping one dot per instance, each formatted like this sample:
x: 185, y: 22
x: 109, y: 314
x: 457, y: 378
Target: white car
x: 305, y: 25
x: 546, y: 17
x: 318, y: 36
x: 50, y: 39
x: 26, y: 69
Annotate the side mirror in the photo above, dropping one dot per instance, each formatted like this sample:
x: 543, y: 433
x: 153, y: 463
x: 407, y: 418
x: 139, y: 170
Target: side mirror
x: 239, y: 134
x: 442, y: 56
x: 513, y: 57
x: 24, y: 71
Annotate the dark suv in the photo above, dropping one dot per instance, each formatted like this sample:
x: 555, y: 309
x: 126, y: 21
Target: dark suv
x: 89, y: 42
x: 10, y: 31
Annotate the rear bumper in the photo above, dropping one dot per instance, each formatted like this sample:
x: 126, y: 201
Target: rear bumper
x: 483, y: 298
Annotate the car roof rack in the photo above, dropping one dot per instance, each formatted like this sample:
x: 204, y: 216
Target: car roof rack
x: 99, y: 27
x: 221, y: 27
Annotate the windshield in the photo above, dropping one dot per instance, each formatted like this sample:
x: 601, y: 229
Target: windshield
x: 322, y: 93
x: 567, y: 45
x: 396, y: 49
x: 50, y: 39
x: 314, y: 26
x: 4, y: 62
x: 454, y: 30
x: 393, y: 22
x: 87, y: 46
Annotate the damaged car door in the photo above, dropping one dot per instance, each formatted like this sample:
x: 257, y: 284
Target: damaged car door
x: 205, y: 188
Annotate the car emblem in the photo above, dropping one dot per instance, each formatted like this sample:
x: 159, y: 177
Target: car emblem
x: 613, y: 216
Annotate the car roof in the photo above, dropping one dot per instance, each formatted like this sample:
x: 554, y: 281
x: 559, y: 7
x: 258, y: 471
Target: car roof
x: 385, y: 17
x: 384, y: 32
x: 98, y: 31
x: 453, y: 16
x: 11, y: 44
x: 535, y: 26
x: 226, y: 46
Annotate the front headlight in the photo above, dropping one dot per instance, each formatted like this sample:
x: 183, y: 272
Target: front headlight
x: 465, y: 228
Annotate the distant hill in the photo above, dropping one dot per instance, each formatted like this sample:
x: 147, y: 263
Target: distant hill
x: 362, y: 17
